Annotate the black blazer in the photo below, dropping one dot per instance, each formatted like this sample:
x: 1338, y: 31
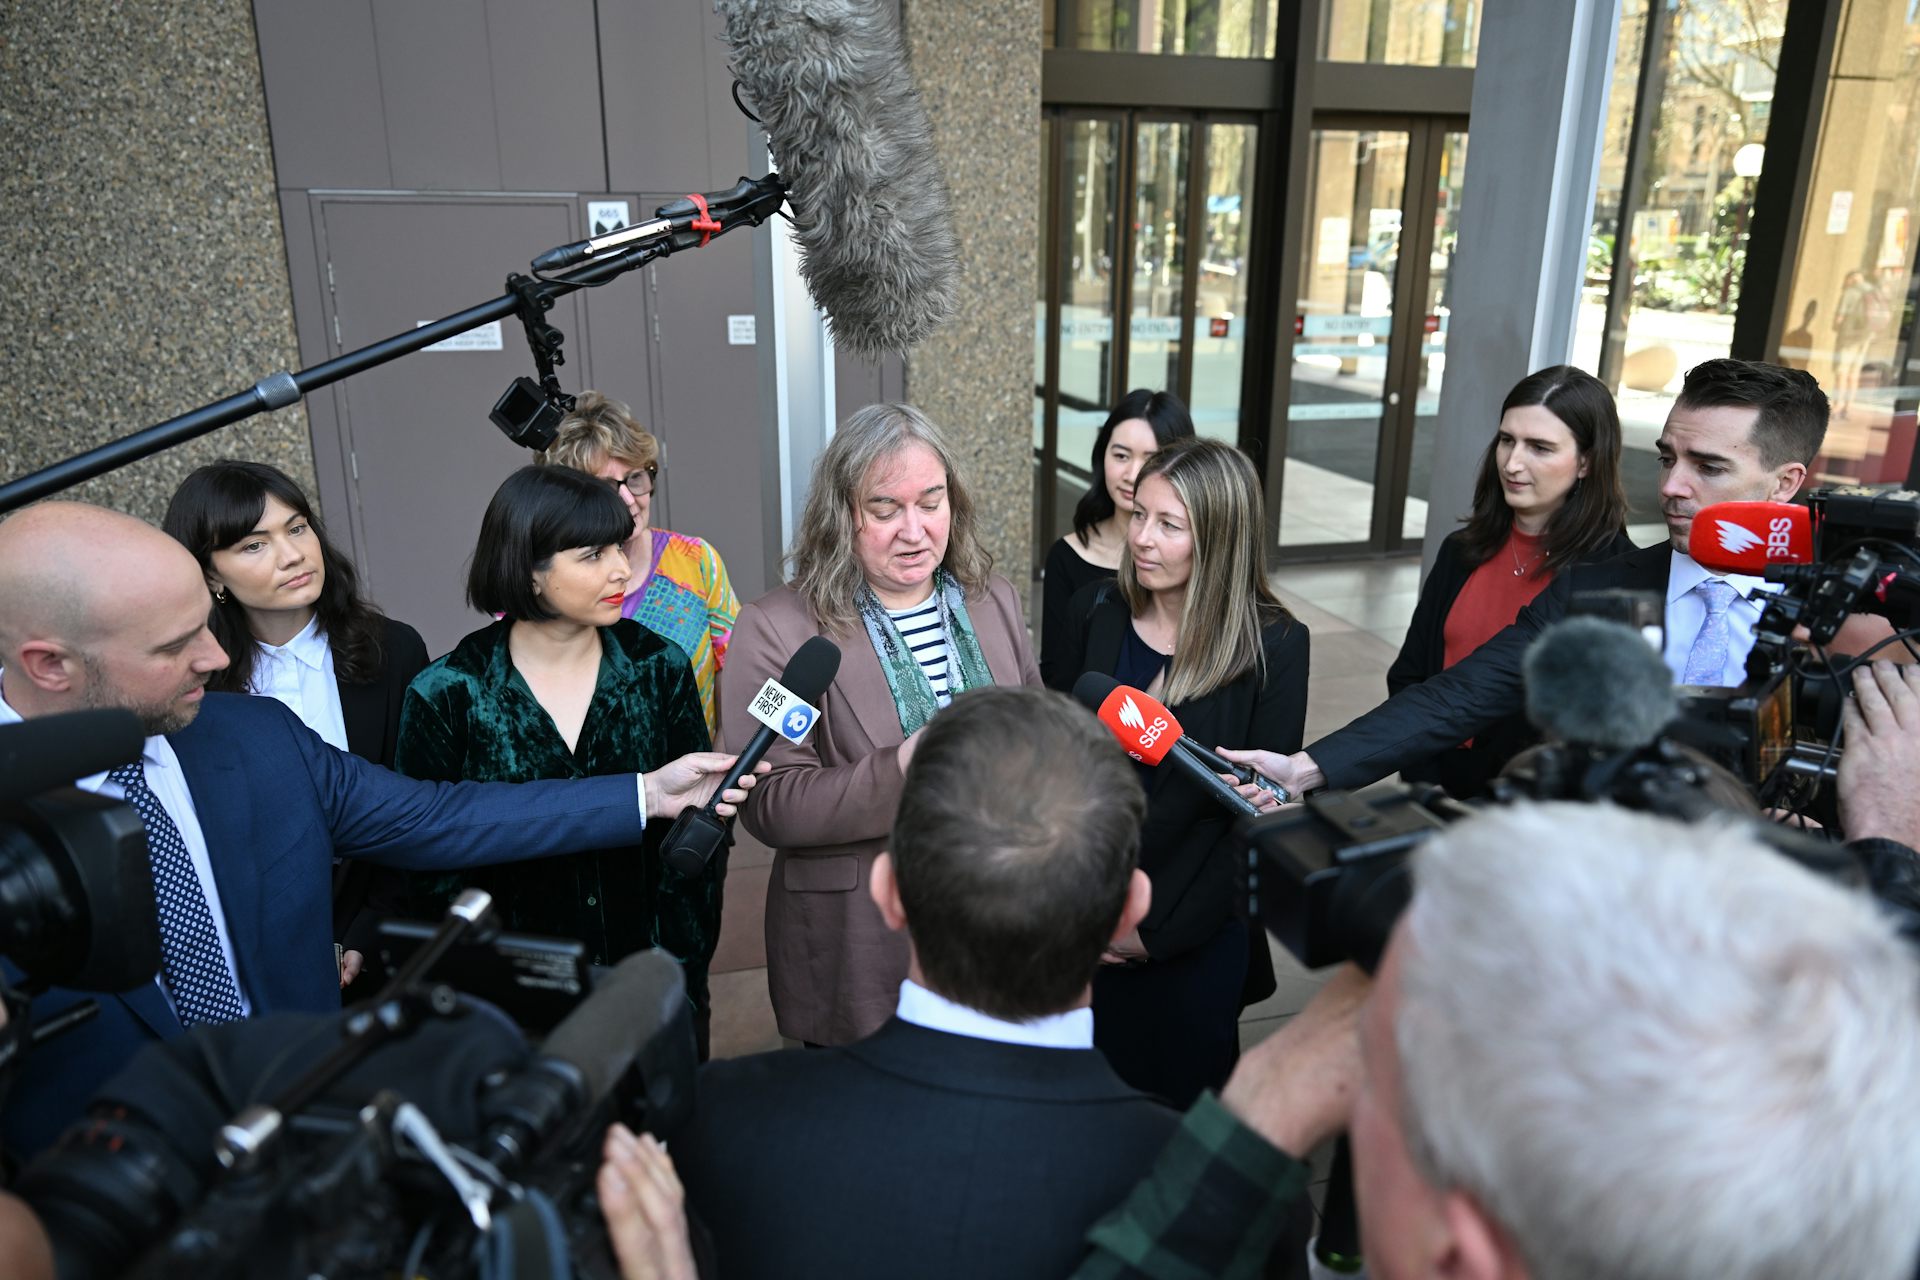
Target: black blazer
x: 1464, y: 772
x: 912, y: 1153
x: 371, y: 713
x: 1486, y: 685
x: 1185, y: 845
x: 1065, y: 575
x: 372, y: 710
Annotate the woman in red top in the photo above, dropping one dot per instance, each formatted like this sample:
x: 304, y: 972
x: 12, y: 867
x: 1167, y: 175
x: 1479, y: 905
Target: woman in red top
x: 1548, y: 496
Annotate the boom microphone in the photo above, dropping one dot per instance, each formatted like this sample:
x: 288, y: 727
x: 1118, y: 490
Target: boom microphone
x: 786, y: 708
x: 1749, y: 537
x: 1598, y: 684
x: 41, y: 754
x: 829, y: 81
x: 1150, y: 734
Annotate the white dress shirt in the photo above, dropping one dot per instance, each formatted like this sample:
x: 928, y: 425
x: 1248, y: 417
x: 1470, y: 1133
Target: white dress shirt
x: 169, y: 785
x: 1687, y: 613
x: 300, y: 674
x: 924, y: 1008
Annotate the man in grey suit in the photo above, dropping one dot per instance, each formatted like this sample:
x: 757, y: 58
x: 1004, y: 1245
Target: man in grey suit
x: 978, y: 1132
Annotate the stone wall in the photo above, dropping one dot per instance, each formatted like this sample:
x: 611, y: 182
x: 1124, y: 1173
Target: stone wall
x: 144, y: 269
x: 977, y: 63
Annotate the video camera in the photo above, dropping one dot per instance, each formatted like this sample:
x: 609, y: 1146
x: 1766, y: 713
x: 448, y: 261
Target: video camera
x: 76, y: 895
x: 1849, y: 550
x: 415, y: 1134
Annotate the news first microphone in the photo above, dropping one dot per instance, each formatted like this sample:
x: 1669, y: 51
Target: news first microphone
x: 1149, y: 733
x: 786, y: 709
x: 1750, y: 537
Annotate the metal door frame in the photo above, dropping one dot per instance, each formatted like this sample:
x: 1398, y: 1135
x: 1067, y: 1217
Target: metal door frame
x: 1393, y: 453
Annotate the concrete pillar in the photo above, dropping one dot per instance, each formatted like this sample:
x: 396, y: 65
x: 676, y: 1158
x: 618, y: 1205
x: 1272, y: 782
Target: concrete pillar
x: 977, y: 63
x: 1539, y: 105
x: 143, y: 263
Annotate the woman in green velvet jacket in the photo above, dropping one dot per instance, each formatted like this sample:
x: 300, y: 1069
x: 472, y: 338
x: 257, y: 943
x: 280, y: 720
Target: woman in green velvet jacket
x: 562, y: 686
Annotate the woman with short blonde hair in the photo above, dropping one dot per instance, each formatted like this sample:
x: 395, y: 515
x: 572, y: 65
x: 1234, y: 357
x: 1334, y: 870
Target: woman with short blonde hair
x: 679, y: 586
x: 1193, y: 621
x: 888, y: 564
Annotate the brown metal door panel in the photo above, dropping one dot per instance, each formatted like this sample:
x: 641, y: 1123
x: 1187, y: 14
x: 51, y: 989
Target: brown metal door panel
x: 422, y: 457
x: 546, y: 95
x: 321, y: 72
x: 710, y: 412
x: 656, y: 92
x: 437, y: 83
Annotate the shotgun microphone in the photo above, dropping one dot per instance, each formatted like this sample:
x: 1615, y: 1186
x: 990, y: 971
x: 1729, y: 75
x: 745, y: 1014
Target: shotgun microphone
x: 1149, y: 733
x: 786, y: 708
x: 829, y: 82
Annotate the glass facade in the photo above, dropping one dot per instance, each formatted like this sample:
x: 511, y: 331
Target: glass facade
x: 1683, y: 146
x: 1850, y: 307
x: 1417, y: 33
x: 1208, y: 28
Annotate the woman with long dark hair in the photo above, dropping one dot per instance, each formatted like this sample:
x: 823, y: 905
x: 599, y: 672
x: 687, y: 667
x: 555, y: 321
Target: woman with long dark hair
x: 287, y: 609
x: 1194, y: 622
x: 1548, y: 497
x: 1142, y: 424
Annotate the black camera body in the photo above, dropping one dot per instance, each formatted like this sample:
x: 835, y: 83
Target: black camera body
x: 76, y: 891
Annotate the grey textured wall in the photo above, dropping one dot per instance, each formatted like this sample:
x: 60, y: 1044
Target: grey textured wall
x: 977, y: 63
x: 143, y: 268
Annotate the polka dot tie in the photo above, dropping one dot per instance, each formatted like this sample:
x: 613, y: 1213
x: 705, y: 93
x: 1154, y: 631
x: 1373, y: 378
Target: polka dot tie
x: 196, y: 970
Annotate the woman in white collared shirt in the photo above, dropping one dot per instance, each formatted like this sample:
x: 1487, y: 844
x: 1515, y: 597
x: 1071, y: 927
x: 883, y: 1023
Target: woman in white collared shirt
x: 288, y: 610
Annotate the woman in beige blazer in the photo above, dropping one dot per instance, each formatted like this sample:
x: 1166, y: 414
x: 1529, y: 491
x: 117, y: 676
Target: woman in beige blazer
x: 888, y: 565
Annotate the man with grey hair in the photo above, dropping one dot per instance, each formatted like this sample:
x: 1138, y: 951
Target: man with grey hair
x: 1600, y: 1043
x: 1603, y: 1044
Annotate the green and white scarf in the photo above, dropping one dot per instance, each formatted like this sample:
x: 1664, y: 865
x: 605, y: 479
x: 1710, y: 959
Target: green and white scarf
x: 967, y: 668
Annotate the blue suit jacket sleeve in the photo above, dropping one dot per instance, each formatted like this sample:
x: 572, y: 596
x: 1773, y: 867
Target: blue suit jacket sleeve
x: 382, y: 817
x: 1445, y: 709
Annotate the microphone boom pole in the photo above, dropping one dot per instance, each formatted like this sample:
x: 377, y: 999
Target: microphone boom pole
x: 751, y: 203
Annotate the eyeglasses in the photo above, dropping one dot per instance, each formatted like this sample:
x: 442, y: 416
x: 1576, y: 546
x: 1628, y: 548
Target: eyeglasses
x: 639, y: 483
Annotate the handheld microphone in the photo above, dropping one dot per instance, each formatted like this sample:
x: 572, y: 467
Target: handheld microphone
x: 786, y: 708
x: 52, y: 751
x: 1150, y: 734
x: 1750, y: 537
x: 870, y: 208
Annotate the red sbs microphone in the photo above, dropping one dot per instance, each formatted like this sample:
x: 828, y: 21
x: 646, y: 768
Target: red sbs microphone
x: 1747, y: 537
x: 1142, y: 724
x: 1149, y: 733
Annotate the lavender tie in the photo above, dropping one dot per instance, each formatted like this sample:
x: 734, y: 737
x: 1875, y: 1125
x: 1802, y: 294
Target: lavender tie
x: 1707, y: 660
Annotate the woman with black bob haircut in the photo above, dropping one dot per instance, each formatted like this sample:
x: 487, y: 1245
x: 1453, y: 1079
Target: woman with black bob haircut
x: 561, y: 686
x: 1548, y: 497
x: 287, y: 609
x: 1142, y: 424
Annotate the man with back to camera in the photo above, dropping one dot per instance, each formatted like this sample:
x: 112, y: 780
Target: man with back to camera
x: 1741, y: 430
x: 979, y: 1132
x: 244, y: 806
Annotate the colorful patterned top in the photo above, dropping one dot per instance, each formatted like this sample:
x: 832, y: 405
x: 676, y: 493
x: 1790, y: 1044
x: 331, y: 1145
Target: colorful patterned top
x: 688, y: 600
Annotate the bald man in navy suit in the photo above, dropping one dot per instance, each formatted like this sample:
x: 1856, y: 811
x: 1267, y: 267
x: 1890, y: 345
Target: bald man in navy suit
x: 245, y: 807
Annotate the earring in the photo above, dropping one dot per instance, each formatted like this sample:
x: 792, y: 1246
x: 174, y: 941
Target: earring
x: 220, y: 595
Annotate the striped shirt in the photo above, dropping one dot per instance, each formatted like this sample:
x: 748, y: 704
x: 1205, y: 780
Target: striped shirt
x: 920, y: 628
